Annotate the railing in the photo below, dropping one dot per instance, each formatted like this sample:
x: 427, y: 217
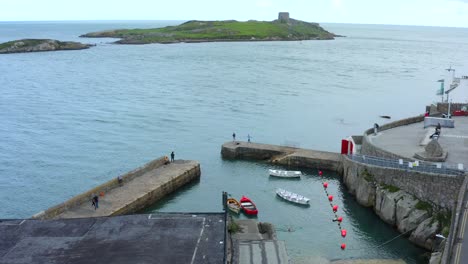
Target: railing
x: 437, y: 168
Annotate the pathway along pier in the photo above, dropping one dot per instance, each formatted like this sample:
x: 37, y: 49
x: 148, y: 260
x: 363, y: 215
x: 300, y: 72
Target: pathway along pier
x: 138, y: 189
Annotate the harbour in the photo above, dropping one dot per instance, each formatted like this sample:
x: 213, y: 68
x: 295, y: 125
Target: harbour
x: 59, y: 143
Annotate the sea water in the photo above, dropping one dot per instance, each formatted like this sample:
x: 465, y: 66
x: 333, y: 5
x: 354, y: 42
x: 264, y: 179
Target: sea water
x: 70, y: 120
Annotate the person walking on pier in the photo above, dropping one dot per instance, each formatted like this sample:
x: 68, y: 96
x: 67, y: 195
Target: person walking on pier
x: 172, y: 156
x: 234, y: 136
x: 95, y: 202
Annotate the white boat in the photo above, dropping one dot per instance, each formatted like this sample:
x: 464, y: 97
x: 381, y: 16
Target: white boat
x: 285, y: 174
x: 292, y: 197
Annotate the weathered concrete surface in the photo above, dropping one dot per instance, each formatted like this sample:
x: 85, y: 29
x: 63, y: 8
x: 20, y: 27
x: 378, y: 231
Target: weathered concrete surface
x: 252, y: 247
x: 157, y: 238
x: 282, y: 155
x: 140, y: 192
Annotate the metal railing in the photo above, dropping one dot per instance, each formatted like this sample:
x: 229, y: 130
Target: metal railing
x: 437, y: 168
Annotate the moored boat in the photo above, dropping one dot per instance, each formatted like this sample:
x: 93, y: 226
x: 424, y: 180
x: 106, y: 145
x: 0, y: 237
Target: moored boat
x: 292, y: 197
x: 285, y: 173
x: 233, y: 205
x: 248, y: 206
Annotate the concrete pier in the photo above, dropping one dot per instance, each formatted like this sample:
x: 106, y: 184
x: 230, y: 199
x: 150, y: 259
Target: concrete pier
x: 282, y: 155
x: 139, y: 188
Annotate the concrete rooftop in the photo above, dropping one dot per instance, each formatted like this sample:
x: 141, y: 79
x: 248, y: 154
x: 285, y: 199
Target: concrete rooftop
x: 156, y: 238
x: 409, y: 139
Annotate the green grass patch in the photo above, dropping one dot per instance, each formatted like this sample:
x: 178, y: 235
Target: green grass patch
x: 424, y: 206
x: 445, y: 220
x: 368, y: 176
x: 390, y: 188
x: 221, y: 30
x: 233, y: 227
x: 26, y: 43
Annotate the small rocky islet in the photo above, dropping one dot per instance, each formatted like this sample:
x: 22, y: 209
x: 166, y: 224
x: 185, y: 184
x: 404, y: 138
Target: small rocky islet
x: 281, y: 29
x: 38, y: 45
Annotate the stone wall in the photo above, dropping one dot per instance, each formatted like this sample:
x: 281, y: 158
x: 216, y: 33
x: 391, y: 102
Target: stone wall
x: 283, y: 17
x: 367, y: 148
x: 370, y: 149
x: 443, y: 107
x: 286, y: 156
x: 254, y: 151
x: 322, y: 162
x: 439, y: 190
x: 396, y: 195
x: 105, y: 187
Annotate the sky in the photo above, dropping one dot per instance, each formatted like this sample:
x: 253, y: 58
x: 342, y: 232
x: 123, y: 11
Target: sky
x: 451, y: 13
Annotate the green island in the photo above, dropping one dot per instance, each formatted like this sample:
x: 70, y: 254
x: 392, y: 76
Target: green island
x: 282, y: 29
x: 37, y: 45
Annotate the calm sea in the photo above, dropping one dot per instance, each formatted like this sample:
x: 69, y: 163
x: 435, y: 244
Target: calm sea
x: 70, y: 120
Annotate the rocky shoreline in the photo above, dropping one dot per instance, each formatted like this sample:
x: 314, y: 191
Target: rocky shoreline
x: 415, y: 219
x: 40, y: 45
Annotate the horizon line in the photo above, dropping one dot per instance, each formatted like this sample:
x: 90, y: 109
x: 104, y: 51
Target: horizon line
x: 168, y: 20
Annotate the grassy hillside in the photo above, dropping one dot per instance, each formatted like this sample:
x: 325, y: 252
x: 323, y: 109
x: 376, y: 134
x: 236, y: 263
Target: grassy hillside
x: 199, y: 31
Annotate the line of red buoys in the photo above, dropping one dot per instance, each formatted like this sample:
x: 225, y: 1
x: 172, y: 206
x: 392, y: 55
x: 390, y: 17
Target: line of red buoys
x: 338, y: 219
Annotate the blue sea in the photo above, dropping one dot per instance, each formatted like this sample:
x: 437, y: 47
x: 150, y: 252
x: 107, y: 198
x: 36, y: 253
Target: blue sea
x: 70, y: 120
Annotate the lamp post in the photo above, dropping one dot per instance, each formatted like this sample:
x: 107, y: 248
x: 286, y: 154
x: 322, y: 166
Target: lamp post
x: 450, y: 89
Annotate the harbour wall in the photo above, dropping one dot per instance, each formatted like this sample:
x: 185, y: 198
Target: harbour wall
x: 439, y: 190
x: 281, y: 155
x: 370, y: 149
x: 129, y: 205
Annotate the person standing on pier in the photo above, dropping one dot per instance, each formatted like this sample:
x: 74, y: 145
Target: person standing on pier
x: 172, y: 156
x: 95, y: 202
x: 248, y: 138
x: 234, y: 136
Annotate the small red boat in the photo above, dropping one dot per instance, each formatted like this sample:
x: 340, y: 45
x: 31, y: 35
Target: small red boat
x: 248, y: 206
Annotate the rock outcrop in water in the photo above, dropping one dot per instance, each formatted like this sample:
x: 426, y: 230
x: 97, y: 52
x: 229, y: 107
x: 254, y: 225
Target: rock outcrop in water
x: 37, y: 45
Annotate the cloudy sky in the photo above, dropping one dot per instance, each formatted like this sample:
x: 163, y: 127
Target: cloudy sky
x: 452, y: 13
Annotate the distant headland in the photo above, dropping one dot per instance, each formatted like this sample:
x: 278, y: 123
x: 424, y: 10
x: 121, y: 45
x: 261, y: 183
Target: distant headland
x: 36, y: 45
x: 282, y: 29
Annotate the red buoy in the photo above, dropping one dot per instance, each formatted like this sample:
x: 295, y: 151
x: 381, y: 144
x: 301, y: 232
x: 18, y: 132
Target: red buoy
x: 340, y: 219
x: 335, y: 208
x: 343, y: 233
x: 325, y: 185
x: 330, y: 198
x: 320, y: 172
x: 343, y: 246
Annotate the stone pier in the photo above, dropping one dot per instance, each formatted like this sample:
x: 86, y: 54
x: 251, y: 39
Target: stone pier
x: 283, y: 155
x: 139, y: 188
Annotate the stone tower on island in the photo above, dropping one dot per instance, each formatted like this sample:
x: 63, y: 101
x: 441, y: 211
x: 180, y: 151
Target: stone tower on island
x: 283, y: 17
